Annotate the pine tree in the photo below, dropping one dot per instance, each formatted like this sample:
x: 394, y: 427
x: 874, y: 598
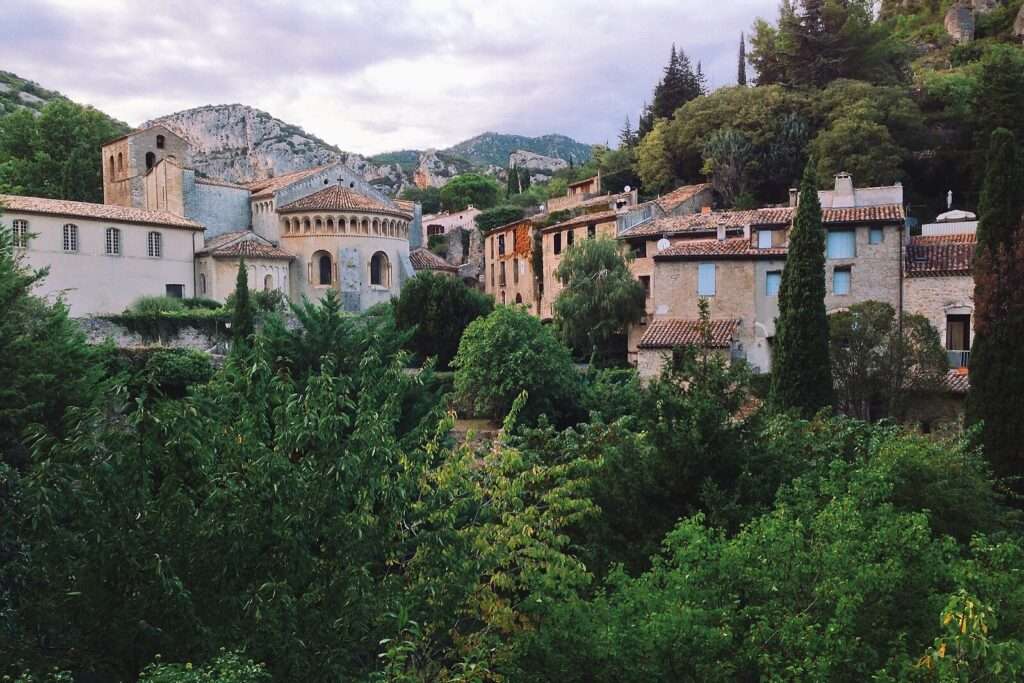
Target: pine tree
x: 741, y: 69
x: 242, y: 325
x: 646, y: 122
x: 678, y: 86
x: 801, y: 373
x: 701, y: 81
x: 627, y: 137
x: 997, y: 355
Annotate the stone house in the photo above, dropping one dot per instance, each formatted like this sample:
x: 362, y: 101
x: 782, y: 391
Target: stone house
x: 508, y: 264
x: 217, y: 265
x: 739, y: 269
x: 102, y: 257
x: 559, y: 238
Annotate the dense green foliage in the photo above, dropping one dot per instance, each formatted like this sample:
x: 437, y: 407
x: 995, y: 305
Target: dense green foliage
x: 997, y: 357
x: 469, y: 189
x: 879, y: 363
x: 428, y: 197
x: 436, y: 309
x: 801, y: 377
x: 54, y: 153
x: 600, y: 297
x: 510, y: 352
x: 498, y: 216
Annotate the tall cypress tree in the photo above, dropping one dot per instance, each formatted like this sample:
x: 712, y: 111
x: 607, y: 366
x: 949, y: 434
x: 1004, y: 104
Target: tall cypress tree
x: 512, y: 182
x: 801, y: 372
x: 242, y: 324
x: 997, y: 355
x: 741, y: 69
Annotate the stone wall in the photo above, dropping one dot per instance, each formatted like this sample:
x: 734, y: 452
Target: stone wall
x: 101, y: 330
x: 935, y: 297
x: 219, y: 208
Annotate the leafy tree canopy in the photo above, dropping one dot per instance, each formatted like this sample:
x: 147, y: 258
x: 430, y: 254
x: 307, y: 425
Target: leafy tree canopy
x: 469, y: 189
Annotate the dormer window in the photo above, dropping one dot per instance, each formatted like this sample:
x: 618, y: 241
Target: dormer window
x: 159, y: 141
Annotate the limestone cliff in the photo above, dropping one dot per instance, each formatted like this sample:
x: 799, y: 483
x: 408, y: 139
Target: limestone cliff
x: 240, y: 143
x: 541, y: 167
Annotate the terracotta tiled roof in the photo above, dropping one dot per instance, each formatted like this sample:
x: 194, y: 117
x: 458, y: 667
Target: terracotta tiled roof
x: 736, y: 247
x: 669, y: 333
x: 268, y: 186
x: 670, y: 201
x: 243, y: 243
x: 771, y: 216
x: 424, y: 259
x: 940, y: 255
x: 583, y: 219
x: 958, y: 381
x: 339, y: 198
x: 102, y: 212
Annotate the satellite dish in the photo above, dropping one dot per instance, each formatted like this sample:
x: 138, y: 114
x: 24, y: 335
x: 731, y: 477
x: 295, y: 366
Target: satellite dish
x: 627, y: 188
x: 663, y: 244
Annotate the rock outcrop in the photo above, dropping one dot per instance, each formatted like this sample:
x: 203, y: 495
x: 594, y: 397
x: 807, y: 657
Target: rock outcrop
x: 541, y: 167
x: 435, y: 169
x: 240, y: 143
x: 1018, y: 25
x: 960, y: 22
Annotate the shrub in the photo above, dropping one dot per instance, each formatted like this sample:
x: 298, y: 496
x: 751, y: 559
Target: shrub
x: 498, y: 216
x: 151, y: 305
x: 201, y: 303
x: 436, y: 309
x: 173, y: 371
x: 510, y: 352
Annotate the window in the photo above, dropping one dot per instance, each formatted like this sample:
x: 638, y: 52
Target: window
x: 113, y: 242
x: 435, y: 230
x: 841, y: 244
x: 70, y: 237
x: 640, y: 249
x: 120, y: 161
x: 558, y: 243
x: 958, y: 332
x: 325, y: 269
x: 155, y: 245
x: 515, y: 271
x: 492, y: 247
x: 159, y: 141
x: 764, y: 239
x: 569, y: 235
x: 501, y: 245
x: 876, y: 236
x: 111, y: 165
x: 150, y: 160
x: 591, y: 231
x: 706, y: 279
x: 501, y: 274
x: 841, y: 280
x: 268, y: 283
x: 380, y: 270
x: 645, y: 280
x: 519, y: 298
x: 772, y: 281
x: 202, y: 283
x: 175, y: 291
x: 20, y: 228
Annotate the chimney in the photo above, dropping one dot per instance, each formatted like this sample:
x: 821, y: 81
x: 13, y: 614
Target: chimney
x: 793, y: 194
x: 721, y: 232
x: 746, y: 232
x: 843, y: 195
x: 705, y: 210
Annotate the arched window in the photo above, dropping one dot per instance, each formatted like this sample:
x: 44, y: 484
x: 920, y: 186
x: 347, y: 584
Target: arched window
x: 318, y: 223
x: 155, y: 245
x: 159, y: 141
x: 111, y: 165
x: 150, y: 160
x: 324, y: 268
x: 113, y: 242
x: 20, y: 228
x: 380, y: 270
x: 268, y: 283
x: 120, y: 161
x: 330, y: 224
x: 519, y: 298
x: 70, y: 237
x: 503, y: 297
x: 202, y: 283
x: 341, y: 224
x: 376, y: 226
x: 305, y: 225
x: 366, y: 226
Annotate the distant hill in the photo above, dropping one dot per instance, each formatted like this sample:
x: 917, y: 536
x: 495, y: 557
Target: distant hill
x: 494, y: 148
x: 20, y: 93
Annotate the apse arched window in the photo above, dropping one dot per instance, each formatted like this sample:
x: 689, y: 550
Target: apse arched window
x: 150, y: 160
x: 324, y: 268
x: 380, y: 270
x: 268, y: 283
x: 202, y: 283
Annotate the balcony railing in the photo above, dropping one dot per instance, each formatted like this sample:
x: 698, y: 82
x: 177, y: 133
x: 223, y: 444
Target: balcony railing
x: 959, y: 359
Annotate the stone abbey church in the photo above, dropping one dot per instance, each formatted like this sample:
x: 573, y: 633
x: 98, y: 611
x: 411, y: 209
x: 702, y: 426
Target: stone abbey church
x: 164, y: 230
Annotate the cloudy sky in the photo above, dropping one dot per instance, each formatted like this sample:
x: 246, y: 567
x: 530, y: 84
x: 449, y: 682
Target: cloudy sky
x: 372, y: 76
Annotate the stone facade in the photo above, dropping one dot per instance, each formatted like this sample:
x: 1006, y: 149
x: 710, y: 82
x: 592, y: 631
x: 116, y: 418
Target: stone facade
x: 557, y: 239
x: 938, y: 297
x: 508, y: 266
x: 221, y: 207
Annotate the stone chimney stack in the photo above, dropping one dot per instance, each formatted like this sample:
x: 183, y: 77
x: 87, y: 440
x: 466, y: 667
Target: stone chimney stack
x: 843, y: 196
x: 721, y: 232
x: 793, y: 194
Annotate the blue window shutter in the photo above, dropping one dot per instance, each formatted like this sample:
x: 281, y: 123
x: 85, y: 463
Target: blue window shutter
x: 706, y: 279
x: 841, y: 244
